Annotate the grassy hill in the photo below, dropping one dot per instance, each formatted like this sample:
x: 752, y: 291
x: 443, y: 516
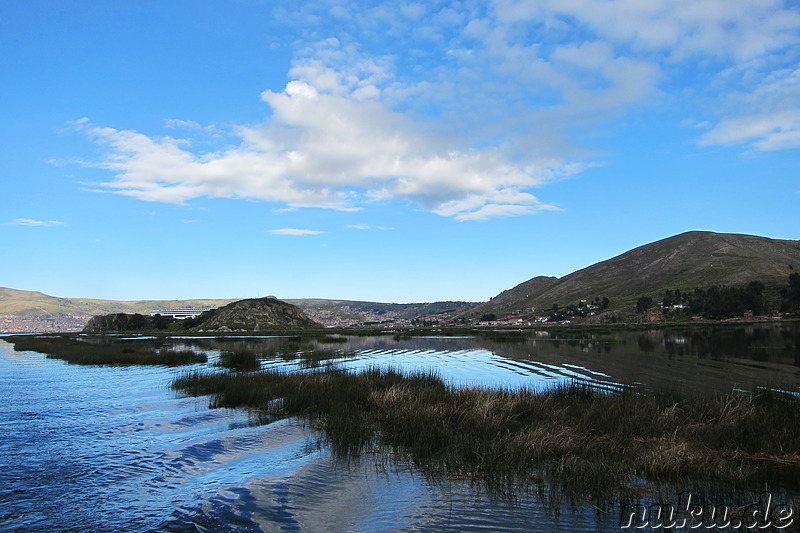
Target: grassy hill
x: 685, y: 261
x: 36, y: 304
x: 348, y: 312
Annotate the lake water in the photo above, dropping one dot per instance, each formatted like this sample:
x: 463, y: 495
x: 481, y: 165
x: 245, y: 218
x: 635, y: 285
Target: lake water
x: 88, y: 448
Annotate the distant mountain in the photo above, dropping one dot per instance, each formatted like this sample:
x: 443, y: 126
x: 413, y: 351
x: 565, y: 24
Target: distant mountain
x: 352, y: 313
x: 37, y: 312
x: 30, y: 311
x: 686, y: 261
x: 36, y: 304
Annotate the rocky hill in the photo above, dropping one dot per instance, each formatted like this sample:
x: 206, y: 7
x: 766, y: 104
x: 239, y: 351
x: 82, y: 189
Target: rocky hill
x: 686, y: 261
x: 253, y: 315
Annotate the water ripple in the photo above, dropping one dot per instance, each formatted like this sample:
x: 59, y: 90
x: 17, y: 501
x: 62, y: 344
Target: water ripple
x: 114, y: 449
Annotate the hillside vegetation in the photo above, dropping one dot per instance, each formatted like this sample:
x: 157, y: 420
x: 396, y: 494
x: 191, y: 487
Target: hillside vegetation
x: 686, y: 261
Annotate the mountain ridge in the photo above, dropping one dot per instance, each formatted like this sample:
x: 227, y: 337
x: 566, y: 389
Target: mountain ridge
x: 35, y: 303
x: 689, y: 260
x: 685, y: 261
x: 22, y: 311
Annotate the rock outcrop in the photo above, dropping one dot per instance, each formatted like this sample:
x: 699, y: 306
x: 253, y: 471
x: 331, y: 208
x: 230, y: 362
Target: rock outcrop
x: 254, y: 315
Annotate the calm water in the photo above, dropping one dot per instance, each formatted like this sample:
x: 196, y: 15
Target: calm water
x: 113, y: 449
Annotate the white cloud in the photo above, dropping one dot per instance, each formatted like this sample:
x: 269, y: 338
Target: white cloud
x: 765, y: 132
x: 331, y: 67
x: 295, y: 232
x: 606, y: 55
x: 38, y: 223
x: 496, y: 210
x: 768, y: 118
x: 680, y: 28
x: 323, y: 149
x: 366, y: 227
x: 466, y: 108
x: 161, y: 169
x: 191, y: 125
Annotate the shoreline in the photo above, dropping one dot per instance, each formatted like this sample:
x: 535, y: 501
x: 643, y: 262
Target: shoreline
x: 388, y: 329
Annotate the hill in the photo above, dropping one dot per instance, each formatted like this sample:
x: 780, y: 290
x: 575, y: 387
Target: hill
x: 344, y: 313
x: 257, y: 314
x: 22, y: 311
x: 686, y: 261
x: 36, y: 304
x: 31, y: 311
x: 252, y: 315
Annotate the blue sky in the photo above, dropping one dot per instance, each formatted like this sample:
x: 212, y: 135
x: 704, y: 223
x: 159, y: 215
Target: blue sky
x: 383, y: 151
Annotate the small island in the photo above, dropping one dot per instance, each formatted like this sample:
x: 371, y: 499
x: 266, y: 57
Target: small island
x: 253, y: 315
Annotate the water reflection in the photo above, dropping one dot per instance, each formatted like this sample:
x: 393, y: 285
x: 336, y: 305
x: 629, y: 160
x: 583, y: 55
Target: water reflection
x: 716, y: 358
x: 113, y: 449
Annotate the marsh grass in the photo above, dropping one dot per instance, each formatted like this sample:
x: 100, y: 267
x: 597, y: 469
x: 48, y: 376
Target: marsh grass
x: 240, y: 361
x: 79, y: 352
x: 581, y: 441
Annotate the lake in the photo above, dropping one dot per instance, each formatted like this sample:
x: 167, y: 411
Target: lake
x: 94, y: 448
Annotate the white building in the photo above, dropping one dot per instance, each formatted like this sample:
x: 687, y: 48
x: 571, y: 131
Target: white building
x: 181, y: 313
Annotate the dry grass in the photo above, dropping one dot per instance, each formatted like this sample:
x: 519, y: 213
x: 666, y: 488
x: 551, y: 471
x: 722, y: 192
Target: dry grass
x: 581, y: 441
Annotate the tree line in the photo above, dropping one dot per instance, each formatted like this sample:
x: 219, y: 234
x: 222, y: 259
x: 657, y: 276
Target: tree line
x: 722, y: 301
x: 791, y: 294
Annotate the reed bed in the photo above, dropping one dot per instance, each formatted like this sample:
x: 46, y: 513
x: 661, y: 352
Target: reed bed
x: 79, y: 352
x: 583, y: 441
x: 240, y: 361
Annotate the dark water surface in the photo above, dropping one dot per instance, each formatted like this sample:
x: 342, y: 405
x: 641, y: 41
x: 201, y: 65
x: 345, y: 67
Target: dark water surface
x: 88, y: 448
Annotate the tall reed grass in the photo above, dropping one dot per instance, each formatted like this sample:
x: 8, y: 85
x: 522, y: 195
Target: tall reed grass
x: 78, y: 352
x: 241, y: 361
x: 583, y: 441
